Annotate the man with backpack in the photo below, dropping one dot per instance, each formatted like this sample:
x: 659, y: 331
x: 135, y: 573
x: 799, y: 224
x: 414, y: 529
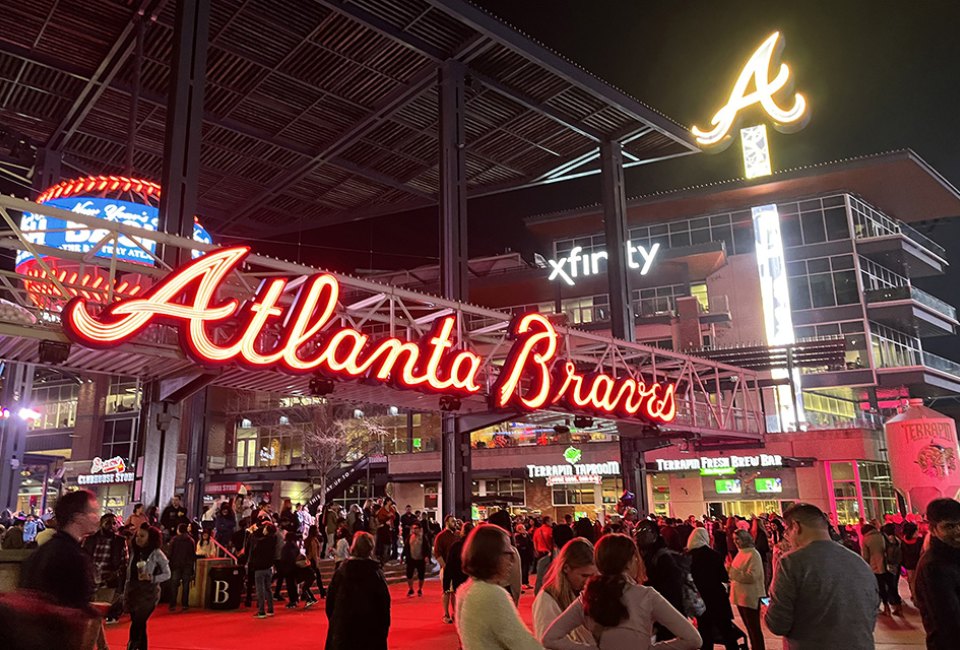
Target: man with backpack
x: 667, y: 572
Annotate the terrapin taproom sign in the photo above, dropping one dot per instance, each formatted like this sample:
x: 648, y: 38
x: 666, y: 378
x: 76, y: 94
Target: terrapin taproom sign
x: 306, y: 339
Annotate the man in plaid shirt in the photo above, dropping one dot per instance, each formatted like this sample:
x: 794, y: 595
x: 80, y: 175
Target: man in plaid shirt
x: 110, y: 558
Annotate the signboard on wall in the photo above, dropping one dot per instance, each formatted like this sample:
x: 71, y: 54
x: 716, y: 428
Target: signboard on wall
x: 708, y: 465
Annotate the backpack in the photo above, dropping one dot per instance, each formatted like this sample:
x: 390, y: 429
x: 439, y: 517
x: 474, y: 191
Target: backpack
x: 693, y: 605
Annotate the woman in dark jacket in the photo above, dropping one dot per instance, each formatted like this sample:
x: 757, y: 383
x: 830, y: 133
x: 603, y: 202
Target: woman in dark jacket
x: 224, y: 525
x: 711, y: 579
x: 358, y: 601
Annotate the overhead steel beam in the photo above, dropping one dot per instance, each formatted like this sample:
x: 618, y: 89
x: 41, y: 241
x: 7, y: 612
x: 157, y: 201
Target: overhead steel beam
x: 615, y: 228
x: 393, y: 103
x: 388, y: 29
x: 486, y: 24
x: 122, y: 47
x: 533, y: 104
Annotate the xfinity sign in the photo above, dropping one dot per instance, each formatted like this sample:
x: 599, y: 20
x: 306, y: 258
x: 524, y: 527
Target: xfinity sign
x: 577, y: 263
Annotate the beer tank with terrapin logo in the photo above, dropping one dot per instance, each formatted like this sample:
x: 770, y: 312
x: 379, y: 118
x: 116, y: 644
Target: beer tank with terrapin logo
x: 924, y: 456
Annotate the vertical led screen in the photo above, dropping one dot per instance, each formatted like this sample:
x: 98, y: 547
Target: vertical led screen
x: 777, y: 315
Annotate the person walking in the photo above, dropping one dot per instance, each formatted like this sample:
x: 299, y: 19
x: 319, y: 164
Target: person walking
x: 486, y: 617
x: 892, y: 565
x: 342, y: 548
x: 525, y: 548
x: 911, y: 548
x: 453, y: 575
x: 747, y: 586
x: 262, y: 557
x: 148, y: 569
x: 313, y: 547
x: 173, y: 515
x: 60, y: 573
x: 619, y: 612
x: 872, y: 551
x: 441, y: 547
x: 183, y: 560
x: 660, y: 563
x: 109, y: 553
x: 824, y: 596
x: 417, y: 553
x: 710, y: 576
x: 938, y: 576
x: 358, y: 601
x: 543, y: 548
x: 561, y: 586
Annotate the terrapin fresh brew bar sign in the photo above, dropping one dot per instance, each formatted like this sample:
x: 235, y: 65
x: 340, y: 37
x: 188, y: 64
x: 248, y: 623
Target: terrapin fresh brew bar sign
x: 305, y: 338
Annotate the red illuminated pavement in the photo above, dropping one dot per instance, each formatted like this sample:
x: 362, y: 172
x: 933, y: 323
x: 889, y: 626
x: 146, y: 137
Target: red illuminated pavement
x: 415, y: 625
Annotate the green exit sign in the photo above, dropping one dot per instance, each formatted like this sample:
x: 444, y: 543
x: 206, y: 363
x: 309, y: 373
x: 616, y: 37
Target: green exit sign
x: 417, y: 443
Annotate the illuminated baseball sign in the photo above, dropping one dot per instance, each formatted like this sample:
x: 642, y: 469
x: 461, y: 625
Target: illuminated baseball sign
x: 306, y: 339
x: 757, y: 72
x: 65, y: 235
x: 577, y: 263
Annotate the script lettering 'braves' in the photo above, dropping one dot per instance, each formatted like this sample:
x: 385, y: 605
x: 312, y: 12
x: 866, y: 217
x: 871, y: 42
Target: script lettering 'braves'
x: 306, y: 335
x: 757, y: 70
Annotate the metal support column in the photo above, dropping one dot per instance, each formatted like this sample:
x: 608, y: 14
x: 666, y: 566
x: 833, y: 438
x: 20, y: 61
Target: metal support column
x: 618, y: 281
x: 160, y: 439
x: 615, y: 229
x: 47, y: 169
x: 455, y: 463
x: 17, y: 383
x: 181, y: 146
x: 197, y: 435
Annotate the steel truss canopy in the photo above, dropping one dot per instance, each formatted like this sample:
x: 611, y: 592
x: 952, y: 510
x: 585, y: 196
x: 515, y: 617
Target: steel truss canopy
x: 714, y: 400
x: 315, y: 112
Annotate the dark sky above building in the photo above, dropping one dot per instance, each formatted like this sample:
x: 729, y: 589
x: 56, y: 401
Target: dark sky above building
x: 879, y: 75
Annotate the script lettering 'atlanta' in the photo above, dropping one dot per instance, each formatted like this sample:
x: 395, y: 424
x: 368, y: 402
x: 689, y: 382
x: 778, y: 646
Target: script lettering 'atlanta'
x: 757, y: 70
x: 307, y: 340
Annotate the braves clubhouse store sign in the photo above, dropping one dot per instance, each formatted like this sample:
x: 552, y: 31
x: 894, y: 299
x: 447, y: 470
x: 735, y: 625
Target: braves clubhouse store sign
x: 308, y: 341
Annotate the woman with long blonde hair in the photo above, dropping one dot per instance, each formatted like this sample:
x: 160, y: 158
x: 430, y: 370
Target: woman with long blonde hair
x: 568, y: 573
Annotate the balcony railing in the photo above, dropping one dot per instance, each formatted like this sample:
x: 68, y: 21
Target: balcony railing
x: 888, y: 294
x: 870, y: 222
x: 942, y: 364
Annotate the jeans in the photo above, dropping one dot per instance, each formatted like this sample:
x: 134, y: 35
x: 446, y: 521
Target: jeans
x: 889, y: 585
x: 138, y: 628
x: 180, y: 576
x: 263, y: 578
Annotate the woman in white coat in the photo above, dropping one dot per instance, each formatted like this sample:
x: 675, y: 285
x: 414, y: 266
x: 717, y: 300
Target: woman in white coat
x: 747, y: 586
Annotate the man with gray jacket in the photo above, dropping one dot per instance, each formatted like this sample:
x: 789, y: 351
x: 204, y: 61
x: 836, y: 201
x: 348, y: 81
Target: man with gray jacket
x: 823, y: 595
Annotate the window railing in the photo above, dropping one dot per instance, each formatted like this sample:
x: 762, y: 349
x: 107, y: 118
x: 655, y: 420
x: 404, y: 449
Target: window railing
x: 911, y: 293
x: 942, y: 364
x: 870, y: 222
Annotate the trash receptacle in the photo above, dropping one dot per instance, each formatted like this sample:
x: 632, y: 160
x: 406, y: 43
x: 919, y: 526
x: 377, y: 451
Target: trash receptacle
x: 224, y: 587
x: 201, y: 579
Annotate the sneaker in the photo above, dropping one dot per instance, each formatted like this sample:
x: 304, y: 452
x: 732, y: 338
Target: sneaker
x: 410, y: 593
x: 173, y: 608
x: 291, y: 605
x: 310, y: 603
x: 111, y: 621
x: 270, y: 613
x: 447, y: 619
x: 420, y: 593
x: 259, y: 615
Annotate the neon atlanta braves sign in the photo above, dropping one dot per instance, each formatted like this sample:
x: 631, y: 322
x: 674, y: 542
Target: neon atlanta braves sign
x: 305, y: 339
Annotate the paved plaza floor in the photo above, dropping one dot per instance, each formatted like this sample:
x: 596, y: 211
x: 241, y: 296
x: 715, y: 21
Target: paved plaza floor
x: 416, y: 625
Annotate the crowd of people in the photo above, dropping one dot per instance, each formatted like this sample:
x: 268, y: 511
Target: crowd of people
x: 632, y: 582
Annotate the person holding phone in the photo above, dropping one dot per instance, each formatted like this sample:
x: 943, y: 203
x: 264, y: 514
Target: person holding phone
x: 747, y: 589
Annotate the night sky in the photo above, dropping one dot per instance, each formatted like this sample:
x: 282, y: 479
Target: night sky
x: 878, y: 75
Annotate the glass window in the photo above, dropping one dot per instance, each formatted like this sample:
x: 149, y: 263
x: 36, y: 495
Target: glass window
x: 847, y: 291
x: 821, y: 290
x: 790, y: 231
x: 573, y: 495
x: 119, y: 438
x: 836, y: 222
x: 123, y: 395
x: 813, y: 230
x: 800, y: 292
